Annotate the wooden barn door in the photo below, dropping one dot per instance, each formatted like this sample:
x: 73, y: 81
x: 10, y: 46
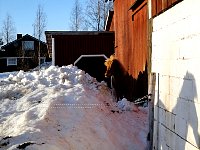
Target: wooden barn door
x: 138, y: 56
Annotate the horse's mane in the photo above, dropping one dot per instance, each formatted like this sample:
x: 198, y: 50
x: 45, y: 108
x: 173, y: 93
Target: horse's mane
x: 113, y: 62
x: 109, y: 61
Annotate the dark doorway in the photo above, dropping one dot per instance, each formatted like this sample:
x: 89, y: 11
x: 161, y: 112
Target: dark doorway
x: 94, y: 66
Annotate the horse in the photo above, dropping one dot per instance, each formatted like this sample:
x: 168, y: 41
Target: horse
x: 120, y: 79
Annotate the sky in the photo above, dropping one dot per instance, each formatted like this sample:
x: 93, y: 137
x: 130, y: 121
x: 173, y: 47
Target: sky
x: 23, y: 13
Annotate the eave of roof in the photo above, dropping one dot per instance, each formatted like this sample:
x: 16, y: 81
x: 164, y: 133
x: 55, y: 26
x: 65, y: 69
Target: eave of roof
x: 27, y: 35
x: 77, y: 32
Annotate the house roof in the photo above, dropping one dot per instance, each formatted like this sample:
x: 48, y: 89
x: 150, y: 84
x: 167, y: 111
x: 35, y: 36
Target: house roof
x: 27, y: 35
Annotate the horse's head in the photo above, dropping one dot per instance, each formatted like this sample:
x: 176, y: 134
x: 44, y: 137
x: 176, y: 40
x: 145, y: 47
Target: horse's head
x: 114, y: 67
x: 109, y: 66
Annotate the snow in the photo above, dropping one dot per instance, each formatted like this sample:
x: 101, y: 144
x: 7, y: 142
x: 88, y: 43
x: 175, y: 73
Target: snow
x: 5, y: 75
x: 125, y: 105
x: 63, y: 108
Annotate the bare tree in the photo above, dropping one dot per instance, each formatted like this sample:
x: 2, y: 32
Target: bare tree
x: 77, y: 18
x: 8, y: 29
x: 39, y: 26
x: 96, y: 13
x: 40, y: 23
x: 1, y: 41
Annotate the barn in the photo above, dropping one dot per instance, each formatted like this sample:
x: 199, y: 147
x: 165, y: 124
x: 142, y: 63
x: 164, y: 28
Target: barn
x: 129, y: 21
x: 85, y: 49
x: 157, y: 41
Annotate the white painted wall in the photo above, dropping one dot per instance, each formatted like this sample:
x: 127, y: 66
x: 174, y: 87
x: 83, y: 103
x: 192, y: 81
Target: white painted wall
x: 176, y: 57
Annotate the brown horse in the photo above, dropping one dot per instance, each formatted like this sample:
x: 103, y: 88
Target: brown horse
x: 120, y: 78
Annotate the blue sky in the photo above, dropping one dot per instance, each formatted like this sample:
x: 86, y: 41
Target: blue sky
x: 23, y: 13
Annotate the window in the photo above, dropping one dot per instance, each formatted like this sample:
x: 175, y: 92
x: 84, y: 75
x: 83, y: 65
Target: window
x: 28, y: 45
x: 11, y: 61
x: 159, y: 6
x: 42, y: 60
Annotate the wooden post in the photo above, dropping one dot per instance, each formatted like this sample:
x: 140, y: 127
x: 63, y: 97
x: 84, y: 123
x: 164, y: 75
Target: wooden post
x: 39, y: 55
x: 151, y: 90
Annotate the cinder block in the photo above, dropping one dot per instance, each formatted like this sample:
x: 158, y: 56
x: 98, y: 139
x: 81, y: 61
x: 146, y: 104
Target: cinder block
x: 192, y: 135
x: 183, y: 68
x: 175, y: 86
x: 173, y: 102
x: 188, y: 146
x: 162, y: 116
x: 155, y: 133
x: 156, y: 97
x: 155, y: 66
x: 182, y: 108
x: 170, y: 121
x: 180, y: 144
x: 180, y: 127
x: 192, y: 68
x: 175, y: 68
x: 189, y: 47
x: 197, y: 106
x: 156, y: 115
x: 193, y: 126
x: 164, y: 85
x: 171, y: 138
x: 162, y: 138
x: 167, y: 102
x: 187, y: 90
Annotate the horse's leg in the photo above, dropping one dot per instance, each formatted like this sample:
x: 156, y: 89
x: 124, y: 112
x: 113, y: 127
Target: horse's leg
x: 114, y: 86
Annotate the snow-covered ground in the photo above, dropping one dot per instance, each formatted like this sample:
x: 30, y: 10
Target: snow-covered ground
x: 63, y: 108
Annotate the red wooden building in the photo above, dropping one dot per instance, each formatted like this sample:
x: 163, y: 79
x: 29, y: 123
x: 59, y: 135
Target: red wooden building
x: 129, y: 21
x: 65, y: 47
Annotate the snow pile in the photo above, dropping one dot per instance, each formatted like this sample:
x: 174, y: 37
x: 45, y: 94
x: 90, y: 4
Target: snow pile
x: 125, y: 105
x: 63, y: 108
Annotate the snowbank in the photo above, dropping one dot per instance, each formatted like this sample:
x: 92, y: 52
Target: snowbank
x: 63, y: 108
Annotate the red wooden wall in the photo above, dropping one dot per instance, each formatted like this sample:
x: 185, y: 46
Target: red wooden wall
x: 68, y: 48
x: 131, y: 35
x: 159, y: 6
x: 131, y: 41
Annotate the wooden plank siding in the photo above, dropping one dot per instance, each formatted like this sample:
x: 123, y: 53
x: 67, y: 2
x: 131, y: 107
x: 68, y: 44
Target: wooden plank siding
x: 159, y: 6
x: 71, y: 47
x: 131, y: 41
x: 131, y: 36
x: 138, y: 54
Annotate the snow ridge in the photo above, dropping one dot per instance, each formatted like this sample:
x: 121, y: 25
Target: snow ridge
x: 65, y: 108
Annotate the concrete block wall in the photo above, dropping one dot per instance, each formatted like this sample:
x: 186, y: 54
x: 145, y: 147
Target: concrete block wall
x: 176, y: 61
